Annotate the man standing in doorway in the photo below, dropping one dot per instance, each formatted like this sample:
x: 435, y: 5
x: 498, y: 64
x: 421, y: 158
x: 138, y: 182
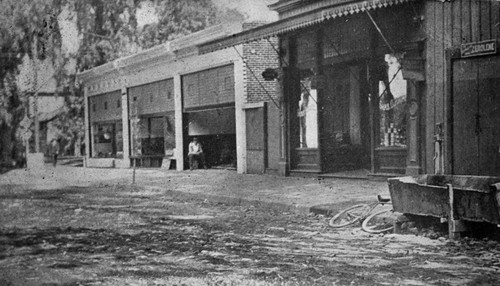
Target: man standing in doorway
x: 196, y: 154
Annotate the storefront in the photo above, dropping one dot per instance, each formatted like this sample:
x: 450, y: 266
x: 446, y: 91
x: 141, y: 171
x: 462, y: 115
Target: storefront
x: 144, y: 109
x: 152, y: 123
x: 106, y: 126
x: 347, y: 97
x: 209, y: 113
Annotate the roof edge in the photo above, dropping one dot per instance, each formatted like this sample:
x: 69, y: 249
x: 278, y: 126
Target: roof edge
x: 169, y: 48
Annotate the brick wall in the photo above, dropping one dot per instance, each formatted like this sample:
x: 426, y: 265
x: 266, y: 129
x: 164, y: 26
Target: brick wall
x: 259, y: 55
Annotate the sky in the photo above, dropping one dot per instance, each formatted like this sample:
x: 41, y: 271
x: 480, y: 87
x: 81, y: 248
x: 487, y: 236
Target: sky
x: 256, y: 10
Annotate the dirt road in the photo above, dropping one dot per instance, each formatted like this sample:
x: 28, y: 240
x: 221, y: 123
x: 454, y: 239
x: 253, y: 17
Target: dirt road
x: 119, y: 235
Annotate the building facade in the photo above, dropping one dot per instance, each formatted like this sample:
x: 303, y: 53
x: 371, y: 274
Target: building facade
x: 391, y: 86
x: 143, y: 110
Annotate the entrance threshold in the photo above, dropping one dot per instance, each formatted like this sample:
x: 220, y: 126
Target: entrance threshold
x: 358, y: 174
x: 224, y: 167
x: 384, y: 176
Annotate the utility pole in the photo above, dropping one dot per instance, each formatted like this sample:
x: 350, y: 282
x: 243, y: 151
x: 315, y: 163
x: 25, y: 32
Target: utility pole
x: 35, y: 104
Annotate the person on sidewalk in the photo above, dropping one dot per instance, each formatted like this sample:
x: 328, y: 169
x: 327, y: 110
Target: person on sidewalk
x: 196, y: 154
x: 55, y: 151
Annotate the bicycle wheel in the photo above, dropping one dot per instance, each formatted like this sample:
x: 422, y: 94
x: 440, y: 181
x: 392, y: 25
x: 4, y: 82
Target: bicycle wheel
x: 348, y: 216
x: 378, y: 222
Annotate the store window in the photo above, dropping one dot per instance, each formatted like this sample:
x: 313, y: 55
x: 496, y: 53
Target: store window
x: 308, y: 114
x: 393, y: 105
x: 151, y: 136
x: 107, y: 140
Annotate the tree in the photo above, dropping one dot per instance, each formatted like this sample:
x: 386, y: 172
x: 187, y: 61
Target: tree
x: 107, y: 30
x: 180, y: 18
x: 26, y: 27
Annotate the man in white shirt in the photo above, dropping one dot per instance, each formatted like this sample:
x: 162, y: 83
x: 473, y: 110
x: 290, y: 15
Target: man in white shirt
x: 196, y: 153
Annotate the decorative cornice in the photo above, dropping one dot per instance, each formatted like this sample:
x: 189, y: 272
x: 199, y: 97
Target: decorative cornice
x: 302, y: 20
x: 291, y: 8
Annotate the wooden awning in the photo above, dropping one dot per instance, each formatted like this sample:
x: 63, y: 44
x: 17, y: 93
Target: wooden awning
x: 295, y: 23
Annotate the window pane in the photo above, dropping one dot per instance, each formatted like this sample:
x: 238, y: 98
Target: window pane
x: 392, y: 105
x: 156, y: 127
x: 308, y: 115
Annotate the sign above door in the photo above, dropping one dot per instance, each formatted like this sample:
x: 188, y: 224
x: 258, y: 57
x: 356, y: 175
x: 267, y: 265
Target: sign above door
x: 476, y: 49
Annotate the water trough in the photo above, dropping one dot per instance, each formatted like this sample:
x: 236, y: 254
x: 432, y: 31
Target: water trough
x: 452, y: 197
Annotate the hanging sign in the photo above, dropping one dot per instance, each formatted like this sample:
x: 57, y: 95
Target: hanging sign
x: 476, y: 49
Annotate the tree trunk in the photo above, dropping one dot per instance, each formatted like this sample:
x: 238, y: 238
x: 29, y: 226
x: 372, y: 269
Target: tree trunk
x: 6, y: 145
x: 78, y: 145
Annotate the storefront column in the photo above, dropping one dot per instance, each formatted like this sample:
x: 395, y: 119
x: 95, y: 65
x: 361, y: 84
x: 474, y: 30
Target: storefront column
x: 87, y: 125
x: 125, y: 128
x: 414, y: 73
x: 179, y: 127
x: 241, y: 162
x: 318, y: 84
x: 284, y: 163
x: 413, y: 166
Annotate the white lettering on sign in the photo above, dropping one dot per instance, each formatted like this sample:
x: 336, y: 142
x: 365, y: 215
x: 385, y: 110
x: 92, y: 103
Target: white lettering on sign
x: 478, y: 49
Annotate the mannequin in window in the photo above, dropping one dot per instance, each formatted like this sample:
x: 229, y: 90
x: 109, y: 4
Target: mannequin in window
x: 303, y: 103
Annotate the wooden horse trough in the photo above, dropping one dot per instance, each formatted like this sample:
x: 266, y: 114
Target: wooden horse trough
x: 450, y: 197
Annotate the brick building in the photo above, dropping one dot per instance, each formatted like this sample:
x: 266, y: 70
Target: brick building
x: 144, y: 109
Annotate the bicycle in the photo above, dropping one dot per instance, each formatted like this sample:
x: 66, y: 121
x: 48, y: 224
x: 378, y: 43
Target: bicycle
x: 376, y: 222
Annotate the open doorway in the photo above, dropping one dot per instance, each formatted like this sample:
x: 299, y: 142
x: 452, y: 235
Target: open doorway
x: 215, y: 129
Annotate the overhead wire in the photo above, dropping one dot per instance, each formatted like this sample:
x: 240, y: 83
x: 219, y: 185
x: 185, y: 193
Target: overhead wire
x: 303, y: 87
x: 255, y: 76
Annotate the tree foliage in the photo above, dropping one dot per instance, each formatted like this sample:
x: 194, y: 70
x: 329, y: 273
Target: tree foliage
x: 179, y: 18
x: 106, y: 30
x: 27, y: 27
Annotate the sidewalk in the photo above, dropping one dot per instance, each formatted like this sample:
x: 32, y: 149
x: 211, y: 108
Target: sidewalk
x: 295, y: 193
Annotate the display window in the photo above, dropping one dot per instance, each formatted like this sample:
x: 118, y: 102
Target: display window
x: 393, y: 105
x: 107, y: 140
x: 308, y: 114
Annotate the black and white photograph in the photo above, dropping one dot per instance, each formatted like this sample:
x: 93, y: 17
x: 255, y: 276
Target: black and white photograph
x: 249, y: 142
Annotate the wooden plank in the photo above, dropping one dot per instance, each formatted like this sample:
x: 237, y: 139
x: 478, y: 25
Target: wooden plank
x: 448, y: 24
x: 464, y: 110
x: 445, y: 94
x: 475, y: 21
x: 495, y: 19
x: 485, y: 8
x: 456, y: 23
x: 439, y: 62
x: 466, y: 25
x: 489, y: 103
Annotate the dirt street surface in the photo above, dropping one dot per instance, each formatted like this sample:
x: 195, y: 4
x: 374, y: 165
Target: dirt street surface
x: 113, y: 233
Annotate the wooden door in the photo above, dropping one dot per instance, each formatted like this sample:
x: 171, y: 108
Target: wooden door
x: 476, y: 116
x: 341, y: 134
x: 256, y: 139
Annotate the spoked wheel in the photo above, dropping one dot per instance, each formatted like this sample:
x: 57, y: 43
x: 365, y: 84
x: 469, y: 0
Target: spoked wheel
x: 379, y: 222
x: 349, y: 216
